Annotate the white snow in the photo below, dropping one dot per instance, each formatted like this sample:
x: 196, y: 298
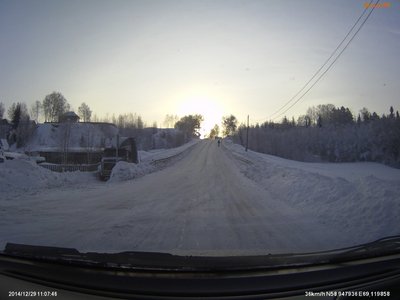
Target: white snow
x: 4, y: 145
x: 210, y: 200
x: 166, y: 153
x: 126, y: 171
x: 19, y: 177
x: 52, y: 136
x: 361, y: 200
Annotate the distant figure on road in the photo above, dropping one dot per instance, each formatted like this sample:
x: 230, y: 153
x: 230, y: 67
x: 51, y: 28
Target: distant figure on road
x: 219, y: 142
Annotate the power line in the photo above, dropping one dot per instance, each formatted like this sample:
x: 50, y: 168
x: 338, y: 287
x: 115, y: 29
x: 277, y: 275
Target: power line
x: 333, y: 53
x: 330, y: 66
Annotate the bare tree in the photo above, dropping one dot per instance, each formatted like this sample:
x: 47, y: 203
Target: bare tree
x: 54, y: 105
x: 214, y: 132
x: 170, y: 120
x: 65, y: 133
x: 229, y: 123
x: 36, y: 109
x: 190, y: 125
x: 140, y: 123
x: 84, y: 112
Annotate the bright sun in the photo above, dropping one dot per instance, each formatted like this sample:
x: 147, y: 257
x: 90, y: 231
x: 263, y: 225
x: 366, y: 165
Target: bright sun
x: 207, y: 107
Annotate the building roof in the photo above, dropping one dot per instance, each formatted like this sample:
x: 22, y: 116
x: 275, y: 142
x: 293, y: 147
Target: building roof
x: 70, y: 114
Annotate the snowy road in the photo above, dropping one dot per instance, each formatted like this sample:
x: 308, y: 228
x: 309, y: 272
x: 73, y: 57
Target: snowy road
x: 200, y: 205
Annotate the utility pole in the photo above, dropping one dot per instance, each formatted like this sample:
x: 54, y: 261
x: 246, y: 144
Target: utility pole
x: 247, y: 135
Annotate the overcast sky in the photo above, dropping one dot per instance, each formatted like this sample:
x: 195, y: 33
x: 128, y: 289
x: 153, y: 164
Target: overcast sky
x: 212, y: 57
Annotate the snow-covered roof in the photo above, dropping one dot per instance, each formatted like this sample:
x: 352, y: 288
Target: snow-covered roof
x: 84, y: 136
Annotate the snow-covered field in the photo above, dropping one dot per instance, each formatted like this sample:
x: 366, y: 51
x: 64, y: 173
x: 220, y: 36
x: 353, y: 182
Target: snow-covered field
x: 209, y: 200
x: 361, y: 200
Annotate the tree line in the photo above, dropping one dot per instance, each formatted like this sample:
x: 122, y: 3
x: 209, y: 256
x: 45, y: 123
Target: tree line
x: 54, y: 105
x: 329, y: 133
x: 51, y: 109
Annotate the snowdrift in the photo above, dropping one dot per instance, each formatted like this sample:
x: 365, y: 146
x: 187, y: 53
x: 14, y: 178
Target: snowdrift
x: 361, y: 199
x: 148, y: 162
x: 21, y: 176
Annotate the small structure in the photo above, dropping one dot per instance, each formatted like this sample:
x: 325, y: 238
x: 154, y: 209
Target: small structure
x: 69, y: 116
x: 125, y: 150
x: 129, y: 149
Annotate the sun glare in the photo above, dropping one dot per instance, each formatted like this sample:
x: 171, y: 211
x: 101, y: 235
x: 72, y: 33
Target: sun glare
x: 209, y: 108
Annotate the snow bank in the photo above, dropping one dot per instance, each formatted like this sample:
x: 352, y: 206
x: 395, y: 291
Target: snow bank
x: 125, y: 171
x: 148, y: 162
x: 362, y: 200
x: 166, y: 153
x: 21, y: 176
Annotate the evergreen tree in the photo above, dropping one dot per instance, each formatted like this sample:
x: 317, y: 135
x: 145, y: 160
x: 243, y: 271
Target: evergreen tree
x: 371, y: 138
x: 16, y: 112
x: 366, y: 115
x: 16, y: 117
x: 374, y: 116
x: 1, y: 110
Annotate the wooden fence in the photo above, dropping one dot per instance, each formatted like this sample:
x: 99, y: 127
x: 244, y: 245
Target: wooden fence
x: 71, y: 168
